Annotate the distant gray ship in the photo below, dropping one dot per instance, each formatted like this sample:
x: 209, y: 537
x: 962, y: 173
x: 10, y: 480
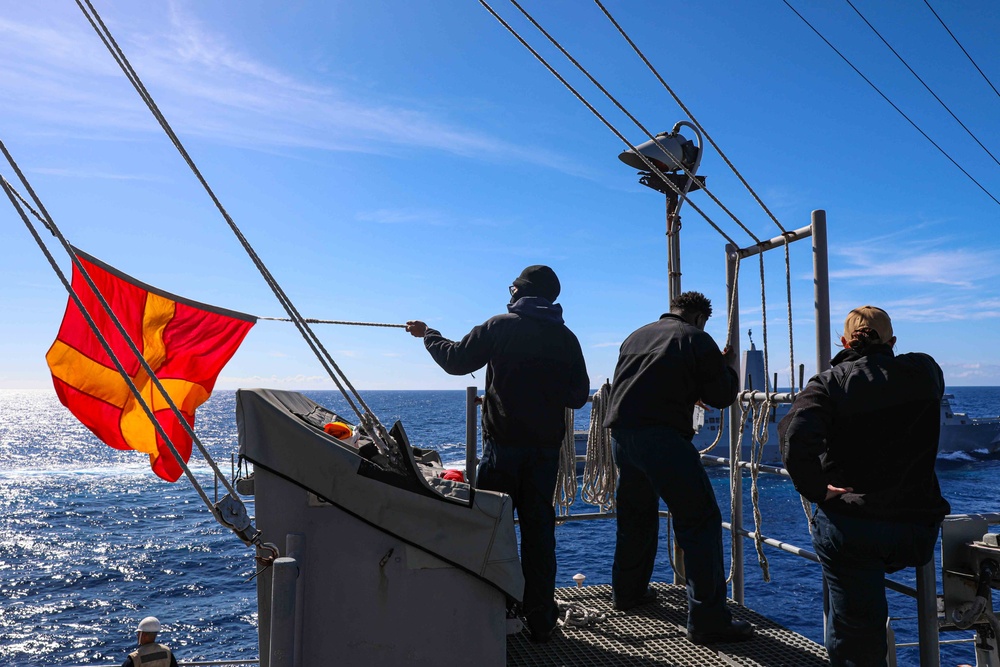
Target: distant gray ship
x: 959, y: 431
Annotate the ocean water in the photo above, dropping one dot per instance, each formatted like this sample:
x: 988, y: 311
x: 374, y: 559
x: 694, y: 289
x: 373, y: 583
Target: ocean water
x: 91, y: 541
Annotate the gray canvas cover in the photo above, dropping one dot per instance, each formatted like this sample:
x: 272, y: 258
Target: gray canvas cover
x: 474, y: 530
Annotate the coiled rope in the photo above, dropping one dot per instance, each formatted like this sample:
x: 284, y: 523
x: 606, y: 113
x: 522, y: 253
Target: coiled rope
x: 600, y: 474
x: 575, y: 615
x: 718, y: 436
x: 758, y: 440
x: 734, y: 471
x: 565, y: 494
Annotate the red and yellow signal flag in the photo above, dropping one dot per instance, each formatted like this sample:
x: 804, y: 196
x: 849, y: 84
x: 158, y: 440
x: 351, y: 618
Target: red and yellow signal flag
x: 185, y: 343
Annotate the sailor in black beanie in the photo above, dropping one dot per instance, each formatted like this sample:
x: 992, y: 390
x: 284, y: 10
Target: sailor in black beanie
x: 534, y: 371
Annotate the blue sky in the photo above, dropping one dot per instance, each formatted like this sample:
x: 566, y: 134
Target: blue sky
x: 405, y: 160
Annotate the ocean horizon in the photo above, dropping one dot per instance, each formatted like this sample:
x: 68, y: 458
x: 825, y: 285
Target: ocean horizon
x: 91, y: 541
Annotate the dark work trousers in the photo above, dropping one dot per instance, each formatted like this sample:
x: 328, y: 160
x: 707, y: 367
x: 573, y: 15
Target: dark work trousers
x: 528, y: 476
x: 657, y: 462
x: 856, y: 553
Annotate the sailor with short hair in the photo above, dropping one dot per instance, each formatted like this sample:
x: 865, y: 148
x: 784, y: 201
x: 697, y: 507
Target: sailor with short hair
x: 665, y: 368
x: 149, y: 653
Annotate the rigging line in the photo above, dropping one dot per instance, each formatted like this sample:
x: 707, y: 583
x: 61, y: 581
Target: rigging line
x: 884, y: 97
x: 653, y: 168
x: 625, y: 111
x: 108, y: 39
x: 907, y: 65
x: 788, y: 293
x: 690, y: 115
x: 355, y: 324
x: 962, y: 47
x: 5, y: 185
x: 311, y: 339
x: 54, y: 229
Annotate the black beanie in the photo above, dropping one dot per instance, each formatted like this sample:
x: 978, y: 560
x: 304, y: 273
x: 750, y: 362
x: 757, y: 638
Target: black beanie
x: 538, y: 280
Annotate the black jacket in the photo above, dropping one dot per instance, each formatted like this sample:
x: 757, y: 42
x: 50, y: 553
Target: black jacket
x: 871, y: 423
x: 534, y: 371
x: 663, y: 369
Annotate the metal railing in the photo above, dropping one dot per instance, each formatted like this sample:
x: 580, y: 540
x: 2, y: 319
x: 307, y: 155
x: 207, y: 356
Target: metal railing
x: 194, y: 663
x: 925, y: 592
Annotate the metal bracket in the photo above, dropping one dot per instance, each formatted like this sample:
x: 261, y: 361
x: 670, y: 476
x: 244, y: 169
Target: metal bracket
x: 232, y: 513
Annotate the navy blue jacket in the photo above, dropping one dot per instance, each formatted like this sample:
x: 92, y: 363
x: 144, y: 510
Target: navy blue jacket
x: 871, y: 423
x: 534, y: 371
x: 664, y: 368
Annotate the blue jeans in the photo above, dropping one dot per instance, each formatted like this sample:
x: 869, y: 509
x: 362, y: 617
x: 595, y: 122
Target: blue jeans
x: 528, y: 476
x: 658, y: 462
x: 855, y: 554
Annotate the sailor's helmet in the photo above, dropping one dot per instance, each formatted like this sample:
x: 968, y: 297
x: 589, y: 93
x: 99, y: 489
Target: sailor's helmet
x: 149, y: 624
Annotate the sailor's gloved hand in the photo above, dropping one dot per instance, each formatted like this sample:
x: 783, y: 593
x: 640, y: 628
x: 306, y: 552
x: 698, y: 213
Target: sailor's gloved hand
x: 416, y: 328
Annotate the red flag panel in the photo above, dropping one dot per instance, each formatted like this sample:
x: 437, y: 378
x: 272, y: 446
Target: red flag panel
x: 186, y: 344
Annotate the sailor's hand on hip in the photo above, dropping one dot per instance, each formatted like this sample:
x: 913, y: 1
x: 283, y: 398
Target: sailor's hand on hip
x: 416, y: 328
x: 834, y: 491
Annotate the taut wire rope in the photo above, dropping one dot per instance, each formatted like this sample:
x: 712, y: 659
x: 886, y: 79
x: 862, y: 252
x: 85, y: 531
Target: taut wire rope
x: 974, y: 64
x: 636, y: 121
x: 652, y: 167
x: 923, y: 83
x: 367, y: 418
x: 102, y: 339
x: 690, y: 115
x: 353, y: 324
x: 891, y: 103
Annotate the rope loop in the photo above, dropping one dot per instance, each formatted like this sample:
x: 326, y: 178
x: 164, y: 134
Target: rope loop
x: 565, y: 493
x: 600, y: 474
x: 575, y: 615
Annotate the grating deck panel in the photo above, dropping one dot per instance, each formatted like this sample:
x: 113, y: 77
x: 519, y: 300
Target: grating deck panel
x: 655, y: 634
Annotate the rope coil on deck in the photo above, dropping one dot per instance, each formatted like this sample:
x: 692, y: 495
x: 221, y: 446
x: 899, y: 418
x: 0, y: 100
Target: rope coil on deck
x: 575, y: 615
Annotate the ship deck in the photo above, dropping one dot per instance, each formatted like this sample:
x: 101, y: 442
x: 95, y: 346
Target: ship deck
x: 655, y: 634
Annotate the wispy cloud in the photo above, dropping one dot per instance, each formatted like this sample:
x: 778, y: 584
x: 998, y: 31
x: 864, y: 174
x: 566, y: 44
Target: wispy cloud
x: 920, y: 262
x: 617, y: 343
x: 58, y: 74
x: 975, y: 372
x: 86, y: 173
x: 935, y: 308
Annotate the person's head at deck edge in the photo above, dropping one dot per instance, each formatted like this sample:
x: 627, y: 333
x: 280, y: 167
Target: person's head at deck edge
x: 693, y: 307
x: 536, y: 280
x: 866, y: 326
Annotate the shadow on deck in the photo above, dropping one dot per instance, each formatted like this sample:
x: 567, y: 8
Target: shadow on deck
x: 655, y: 635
